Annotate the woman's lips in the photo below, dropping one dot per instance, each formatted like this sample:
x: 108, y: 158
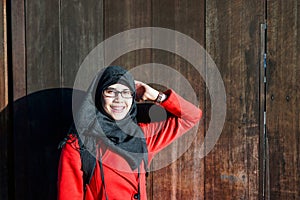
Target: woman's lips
x: 118, y: 109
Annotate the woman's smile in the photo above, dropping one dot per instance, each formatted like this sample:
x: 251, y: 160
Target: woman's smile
x: 117, y: 109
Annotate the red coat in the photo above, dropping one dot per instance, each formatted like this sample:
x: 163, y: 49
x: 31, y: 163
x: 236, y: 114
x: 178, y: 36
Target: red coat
x: 123, y: 184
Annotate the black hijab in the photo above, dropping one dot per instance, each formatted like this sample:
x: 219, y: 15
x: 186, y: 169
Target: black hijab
x: 124, y: 136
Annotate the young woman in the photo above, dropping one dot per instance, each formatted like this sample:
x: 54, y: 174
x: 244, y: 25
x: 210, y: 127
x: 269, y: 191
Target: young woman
x: 122, y: 149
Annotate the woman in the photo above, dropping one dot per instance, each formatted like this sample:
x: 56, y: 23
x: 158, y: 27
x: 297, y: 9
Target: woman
x: 122, y: 148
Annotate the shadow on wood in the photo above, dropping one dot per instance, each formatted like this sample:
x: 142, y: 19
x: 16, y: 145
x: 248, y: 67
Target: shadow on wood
x: 40, y: 121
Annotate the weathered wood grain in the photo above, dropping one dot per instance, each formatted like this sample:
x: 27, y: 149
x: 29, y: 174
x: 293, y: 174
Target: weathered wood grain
x: 283, y: 98
x: 184, y: 177
x: 233, y: 41
x: 82, y: 29
x: 125, y: 15
x: 18, y: 44
x: 43, y: 59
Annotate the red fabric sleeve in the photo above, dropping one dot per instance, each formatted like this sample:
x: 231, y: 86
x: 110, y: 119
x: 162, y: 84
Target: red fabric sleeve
x: 70, y: 181
x: 184, y: 115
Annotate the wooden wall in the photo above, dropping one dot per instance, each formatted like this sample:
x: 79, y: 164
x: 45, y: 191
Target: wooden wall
x: 283, y: 99
x: 49, y: 40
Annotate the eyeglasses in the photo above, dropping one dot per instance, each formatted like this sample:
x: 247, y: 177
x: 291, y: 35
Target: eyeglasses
x: 112, y: 93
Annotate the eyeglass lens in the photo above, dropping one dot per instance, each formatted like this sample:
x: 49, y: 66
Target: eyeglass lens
x: 115, y: 93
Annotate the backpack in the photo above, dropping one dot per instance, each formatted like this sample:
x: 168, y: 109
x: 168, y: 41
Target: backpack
x: 88, y: 161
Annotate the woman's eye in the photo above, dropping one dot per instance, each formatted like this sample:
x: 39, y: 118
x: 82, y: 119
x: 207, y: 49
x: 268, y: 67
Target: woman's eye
x: 126, y: 92
x: 110, y: 91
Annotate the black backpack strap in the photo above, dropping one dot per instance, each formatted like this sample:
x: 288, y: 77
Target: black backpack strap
x: 88, y: 163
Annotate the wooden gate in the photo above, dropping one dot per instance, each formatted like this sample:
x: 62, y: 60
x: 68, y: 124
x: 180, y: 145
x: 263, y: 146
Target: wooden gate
x: 255, y: 45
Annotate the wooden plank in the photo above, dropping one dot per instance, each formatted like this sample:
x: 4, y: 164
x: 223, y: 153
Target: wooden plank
x: 43, y: 45
x: 3, y: 58
x: 18, y: 75
x: 283, y: 98
x: 125, y: 15
x: 18, y: 49
x: 37, y: 64
x: 122, y: 16
x: 81, y: 31
x: 19, y: 85
x: 165, y: 181
x: 4, y: 110
x: 233, y: 41
x: 184, y: 178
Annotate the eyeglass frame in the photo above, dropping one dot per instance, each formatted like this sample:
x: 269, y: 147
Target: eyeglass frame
x: 116, y: 93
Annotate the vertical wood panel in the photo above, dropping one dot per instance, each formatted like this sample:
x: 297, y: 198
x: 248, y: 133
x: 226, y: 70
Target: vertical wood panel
x: 233, y: 40
x: 18, y: 46
x: 124, y: 15
x: 42, y: 45
x: 283, y: 109
x: 3, y: 58
x: 165, y: 181
x: 19, y: 87
x: 36, y: 68
x: 82, y: 30
x: 4, y: 112
x: 184, y: 178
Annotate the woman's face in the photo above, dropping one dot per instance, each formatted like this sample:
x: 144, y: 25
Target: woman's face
x: 117, y: 101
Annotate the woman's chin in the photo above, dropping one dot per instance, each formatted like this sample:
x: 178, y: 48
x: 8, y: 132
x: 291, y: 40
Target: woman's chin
x: 118, y: 116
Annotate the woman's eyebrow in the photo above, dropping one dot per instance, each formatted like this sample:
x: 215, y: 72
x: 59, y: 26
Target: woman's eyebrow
x: 111, y: 88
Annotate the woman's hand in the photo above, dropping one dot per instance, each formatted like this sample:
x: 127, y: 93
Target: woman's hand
x: 145, y: 92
